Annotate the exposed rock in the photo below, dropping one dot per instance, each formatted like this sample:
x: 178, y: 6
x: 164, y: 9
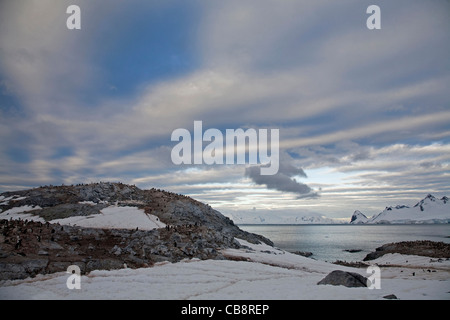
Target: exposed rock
x: 358, y: 218
x: 303, y: 253
x: 390, y: 297
x: 425, y: 248
x: 101, y: 248
x: 43, y: 253
x: 116, y: 250
x: 59, y: 202
x: 354, y: 264
x: 344, y: 278
x: 193, y: 229
x: 28, y: 267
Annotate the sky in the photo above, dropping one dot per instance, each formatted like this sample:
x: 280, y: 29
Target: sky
x: 363, y: 115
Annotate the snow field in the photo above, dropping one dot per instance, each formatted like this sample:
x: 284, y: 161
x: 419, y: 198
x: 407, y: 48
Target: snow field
x: 115, y: 217
x: 19, y: 213
x: 269, y: 273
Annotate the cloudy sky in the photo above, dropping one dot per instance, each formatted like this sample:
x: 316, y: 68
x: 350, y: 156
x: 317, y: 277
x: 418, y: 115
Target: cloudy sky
x: 363, y: 115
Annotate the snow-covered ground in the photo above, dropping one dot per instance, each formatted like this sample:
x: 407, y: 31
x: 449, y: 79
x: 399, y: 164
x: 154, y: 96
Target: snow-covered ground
x: 109, y: 217
x: 266, y: 273
x: 5, y: 201
x: 21, y: 213
x: 115, y: 217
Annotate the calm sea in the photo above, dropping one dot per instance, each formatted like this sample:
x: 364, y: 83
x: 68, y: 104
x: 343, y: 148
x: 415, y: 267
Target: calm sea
x: 329, y: 242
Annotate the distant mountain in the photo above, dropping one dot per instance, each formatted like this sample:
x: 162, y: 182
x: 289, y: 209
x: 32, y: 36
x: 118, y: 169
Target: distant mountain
x: 256, y: 217
x: 358, y: 217
x: 429, y: 210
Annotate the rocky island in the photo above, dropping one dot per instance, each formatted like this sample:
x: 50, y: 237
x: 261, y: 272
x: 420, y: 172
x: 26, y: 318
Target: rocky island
x: 107, y: 226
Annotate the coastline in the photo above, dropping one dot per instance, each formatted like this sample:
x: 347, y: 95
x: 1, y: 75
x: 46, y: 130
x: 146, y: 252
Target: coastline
x: 251, y: 272
x: 350, y: 243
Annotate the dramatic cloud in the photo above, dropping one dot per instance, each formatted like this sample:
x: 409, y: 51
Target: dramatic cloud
x: 283, y: 180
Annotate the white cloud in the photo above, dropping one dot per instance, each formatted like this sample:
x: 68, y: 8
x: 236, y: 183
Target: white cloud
x: 42, y: 59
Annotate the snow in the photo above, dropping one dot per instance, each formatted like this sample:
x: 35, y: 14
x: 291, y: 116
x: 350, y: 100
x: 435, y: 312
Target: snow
x: 19, y: 198
x: 5, y: 201
x: 412, y: 261
x: 358, y: 217
x: 268, y: 273
x: 91, y: 203
x: 115, y: 217
x: 277, y: 217
x: 263, y: 253
x: 19, y: 213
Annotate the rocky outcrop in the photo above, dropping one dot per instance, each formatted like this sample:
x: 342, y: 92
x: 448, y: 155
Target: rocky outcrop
x: 344, y: 278
x: 27, y: 248
x: 390, y: 297
x: 425, y: 248
x: 303, y: 253
x: 58, y: 202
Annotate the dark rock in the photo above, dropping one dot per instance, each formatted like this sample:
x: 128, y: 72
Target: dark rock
x: 194, y: 230
x: 104, y: 264
x: 353, y: 264
x: 344, y: 278
x: 390, y: 297
x: 303, y: 253
x: 104, y: 249
x: 372, y: 256
x: 425, y: 248
x: 30, y: 267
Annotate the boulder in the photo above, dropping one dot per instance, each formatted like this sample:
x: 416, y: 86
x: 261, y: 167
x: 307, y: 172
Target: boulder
x: 390, y: 297
x: 344, y: 278
x: 303, y: 253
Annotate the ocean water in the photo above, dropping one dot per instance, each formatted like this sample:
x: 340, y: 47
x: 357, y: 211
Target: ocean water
x: 329, y: 242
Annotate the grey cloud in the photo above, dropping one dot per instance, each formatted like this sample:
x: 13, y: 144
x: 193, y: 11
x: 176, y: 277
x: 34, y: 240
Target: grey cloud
x: 290, y: 170
x: 362, y: 155
x: 282, y: 181
x: 430, y: 164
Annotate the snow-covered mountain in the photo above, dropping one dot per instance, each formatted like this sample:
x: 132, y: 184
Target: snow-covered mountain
x: 358, y: 217
x: 428, y: 210
x: 268, y: 217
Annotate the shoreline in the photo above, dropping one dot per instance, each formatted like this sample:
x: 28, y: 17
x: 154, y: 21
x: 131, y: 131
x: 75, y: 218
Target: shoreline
x: 332, y: 243
x: 254, y: 271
